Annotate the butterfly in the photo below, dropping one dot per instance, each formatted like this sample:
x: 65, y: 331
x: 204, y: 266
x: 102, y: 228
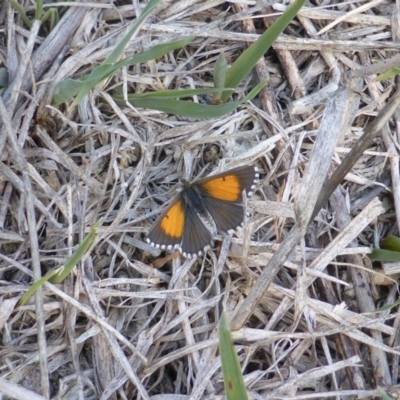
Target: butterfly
x: 181, y: 227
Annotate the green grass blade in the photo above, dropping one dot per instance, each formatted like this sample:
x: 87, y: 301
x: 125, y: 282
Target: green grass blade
x: 388, y: 307
x: 155, y: 52
x: 167, y: 94
x: 66, y: 90
x: 80, y: 88
x: 383, y: 394
x: 46, y: 16
x: 108, y: 66
x: 235, y: 388
x: 20, y: 10
x: 52, y: 16
x: 389, y: 251
x: 36, y: 285
x: 249, y: 58
x: 388, y: 75
x: 78, y: 254
x: 113, y: 57
x: 220, y: 70
x: 384, y: 255
x: 105, y: 70
x: 185, y: 108
x: 193, y: 110
x: 39, y: 9
x: 69, y: 88
x: 59, y: 274
x: 390, y: 243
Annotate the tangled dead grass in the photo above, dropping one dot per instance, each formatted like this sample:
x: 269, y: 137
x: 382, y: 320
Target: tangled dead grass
x: 134, y: 323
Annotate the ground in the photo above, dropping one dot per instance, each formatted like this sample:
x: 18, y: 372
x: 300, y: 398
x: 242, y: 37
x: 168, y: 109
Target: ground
x: 131, y: 321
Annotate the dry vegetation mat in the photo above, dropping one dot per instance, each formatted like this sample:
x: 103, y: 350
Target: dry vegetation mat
x: 311, y: 315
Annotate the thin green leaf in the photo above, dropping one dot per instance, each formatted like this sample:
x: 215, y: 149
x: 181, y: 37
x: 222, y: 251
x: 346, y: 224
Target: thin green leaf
x: 249, y: 58
x: 388, y: 307
x: 155, y: 52
x: 65, y: 90
x: 383, y: 394
x: 78, y: 254
x: 119, y: 48
x: 39, y: 10
x: 36, y: 285
x: 108, y: 66
x: 46, y: 16
x: 220, y: 69
x: 80, y: 88
x: 384, y: 255
x: 20, y: 10
x: 185, y: 108
x: 235, y: 388
x: 55, y: 18
x: 59, y: 274
x: 194, y: 110
x: 167, y: 94
x: 52, y: 16
x: 69, y: 88
x: 390, y: 243
x: 388, y: 75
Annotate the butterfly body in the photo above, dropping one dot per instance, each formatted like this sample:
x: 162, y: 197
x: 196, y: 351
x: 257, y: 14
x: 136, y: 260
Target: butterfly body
x: 217, y: 197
